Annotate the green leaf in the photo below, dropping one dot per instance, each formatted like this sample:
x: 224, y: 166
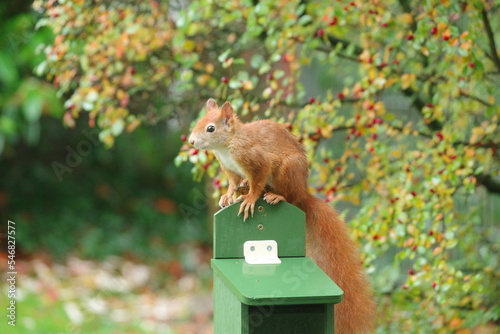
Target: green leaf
x: 239, y: 61
x: 87, y: 106
x: 117, y: 127
x: 305, y: 19
x: 223, y: 56
x: 235, y: 84
x: 264, y: 68
x: 256, y: 61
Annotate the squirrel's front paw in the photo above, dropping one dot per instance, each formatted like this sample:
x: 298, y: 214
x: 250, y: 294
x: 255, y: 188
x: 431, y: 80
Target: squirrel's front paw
x: 225, y: 200
x: 273, y: 198
x: 247, y: 206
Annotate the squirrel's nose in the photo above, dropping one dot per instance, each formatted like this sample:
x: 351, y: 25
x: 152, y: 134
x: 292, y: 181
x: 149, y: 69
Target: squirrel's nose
x: 191, y: 141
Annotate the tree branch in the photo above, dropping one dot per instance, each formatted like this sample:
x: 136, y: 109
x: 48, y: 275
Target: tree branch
x: 491, y: 39
x: 475, y: 98
x: 419, y: 104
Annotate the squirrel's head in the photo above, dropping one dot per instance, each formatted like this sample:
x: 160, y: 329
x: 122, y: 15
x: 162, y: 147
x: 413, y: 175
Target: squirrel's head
x: 214, y: 129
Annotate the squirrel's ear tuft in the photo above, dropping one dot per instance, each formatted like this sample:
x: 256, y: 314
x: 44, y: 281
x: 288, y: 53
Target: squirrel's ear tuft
x: 226, y: 112
x: 212, y: 105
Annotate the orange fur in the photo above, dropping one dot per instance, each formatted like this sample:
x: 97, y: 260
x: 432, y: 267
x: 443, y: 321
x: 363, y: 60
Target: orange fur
x: 264, y: 153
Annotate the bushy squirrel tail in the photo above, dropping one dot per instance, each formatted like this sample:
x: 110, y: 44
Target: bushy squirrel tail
x: 331, y: 247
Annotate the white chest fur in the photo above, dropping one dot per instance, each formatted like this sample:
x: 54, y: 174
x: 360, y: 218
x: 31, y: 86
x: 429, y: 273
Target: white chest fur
x: 227, y: 160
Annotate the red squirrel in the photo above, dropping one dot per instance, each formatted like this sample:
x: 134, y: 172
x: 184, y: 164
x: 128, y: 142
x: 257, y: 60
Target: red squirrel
x: 266, y: 155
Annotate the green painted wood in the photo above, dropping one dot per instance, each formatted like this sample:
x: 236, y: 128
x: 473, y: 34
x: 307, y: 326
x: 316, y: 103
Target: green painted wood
x: 291, y: 319
x: 282, y: 222
x: 295, y: 296
x: 294, y: 281
x: 230, y: 315
x: 330, y: 323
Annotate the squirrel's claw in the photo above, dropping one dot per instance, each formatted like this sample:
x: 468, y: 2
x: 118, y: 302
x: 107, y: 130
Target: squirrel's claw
x: 273, y: 198
x: 225, y: 200
x: 248, y: 206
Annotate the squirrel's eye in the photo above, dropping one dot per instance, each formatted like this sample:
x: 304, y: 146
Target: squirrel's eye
x: 210, y: 128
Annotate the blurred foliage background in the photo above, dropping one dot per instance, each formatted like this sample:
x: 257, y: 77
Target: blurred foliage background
x: 395, y: 101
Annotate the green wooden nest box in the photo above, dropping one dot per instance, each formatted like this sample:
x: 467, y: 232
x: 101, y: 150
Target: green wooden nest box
x: 259, y: 291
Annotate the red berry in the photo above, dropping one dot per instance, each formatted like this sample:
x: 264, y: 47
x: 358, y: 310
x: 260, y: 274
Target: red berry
x: 414, y: 194
x: 431, y: 233
x: 394, y: 200
x: 376, y: 237
x: 410, y: 37
x: 353, y: 4
x: 382, y: 65
x: 338, y: 168
x: 374, y: 136
x: 434, y: 30
x: 432, y: 190
x: 446, y: 37
x: 320, y: 33
x: 440, y: 136
x: 183, y: 137
x: 414, y: 248
x: 340, y: 96
x: 429, y: 105
x: 471, y: 65
x: 205, y: 166
x: 333, y: 21
x: 194, y: 151
x: 384, y: 25
x: 395, y: 62
x: 325, y: 160
x: 224, y: 80
x: 434, y: 284
x: 355, y: 155
x: 405, y: 286
x: 411, y: 272
x: 312, y: 99
x: 371, y: 149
